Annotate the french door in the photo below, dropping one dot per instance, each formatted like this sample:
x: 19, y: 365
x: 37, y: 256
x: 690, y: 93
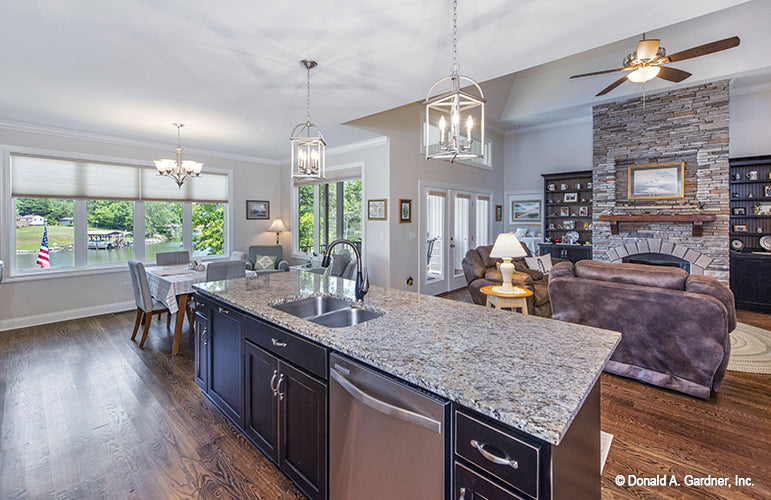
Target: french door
x: 452, y: 222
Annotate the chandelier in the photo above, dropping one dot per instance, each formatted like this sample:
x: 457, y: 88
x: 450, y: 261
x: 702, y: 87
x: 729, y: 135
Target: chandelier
x: 177, y: 169
x: 455, y: 119
x: 308, y: 146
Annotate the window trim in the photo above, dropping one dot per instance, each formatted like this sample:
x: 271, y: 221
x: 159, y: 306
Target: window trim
x: 7, y: 225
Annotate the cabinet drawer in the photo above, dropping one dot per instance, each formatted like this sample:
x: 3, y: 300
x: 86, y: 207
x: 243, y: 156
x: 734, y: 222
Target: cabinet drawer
x: 303, y: 353
x: 508, y: 458
x: 470, y: 485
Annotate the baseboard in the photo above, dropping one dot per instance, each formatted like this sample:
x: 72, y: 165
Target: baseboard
x: 55, y: 317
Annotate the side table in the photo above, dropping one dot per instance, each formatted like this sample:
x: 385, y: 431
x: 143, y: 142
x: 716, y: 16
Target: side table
x: 499, y: 300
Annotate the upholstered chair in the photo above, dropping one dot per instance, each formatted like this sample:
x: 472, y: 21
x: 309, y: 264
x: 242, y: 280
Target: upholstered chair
x: 275, y: 259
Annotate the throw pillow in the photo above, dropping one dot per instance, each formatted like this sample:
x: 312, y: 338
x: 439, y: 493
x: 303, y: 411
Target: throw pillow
x: 265, y: 262
x: 542, y: 263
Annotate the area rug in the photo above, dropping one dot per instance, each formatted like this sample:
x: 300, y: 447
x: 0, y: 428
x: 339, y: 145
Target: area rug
x: 750, y: 350
x: 605, y: 441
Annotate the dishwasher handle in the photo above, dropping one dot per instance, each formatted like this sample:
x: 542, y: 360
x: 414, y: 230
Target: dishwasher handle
x: 386, y: 408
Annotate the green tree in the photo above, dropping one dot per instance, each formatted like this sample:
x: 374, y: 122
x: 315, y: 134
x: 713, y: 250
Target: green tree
x: 209, y: 219
x: 162, y: 216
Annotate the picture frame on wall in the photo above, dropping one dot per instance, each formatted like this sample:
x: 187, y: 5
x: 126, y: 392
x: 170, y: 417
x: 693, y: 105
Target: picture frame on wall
x: 405, y: 210
x: 738, y: 211
x: 498, y: 213
x: 570, y: 198
x: 257, y: 209
x: 525, y: 210
x: 376, y: 209
x: 739, y: 228
x: 654, y: 181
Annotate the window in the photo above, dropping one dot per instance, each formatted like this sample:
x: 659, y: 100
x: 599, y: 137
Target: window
x: 91, y: 212
x: 326, y: 212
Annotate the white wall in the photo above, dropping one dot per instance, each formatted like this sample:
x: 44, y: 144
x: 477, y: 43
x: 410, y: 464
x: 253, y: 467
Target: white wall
x: 561, y: 147
x: 37, y: 300
x: 750, y: 122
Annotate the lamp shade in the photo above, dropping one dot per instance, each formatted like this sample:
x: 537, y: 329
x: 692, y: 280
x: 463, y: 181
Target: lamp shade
x: 277, y: 225
x: 507, y: 245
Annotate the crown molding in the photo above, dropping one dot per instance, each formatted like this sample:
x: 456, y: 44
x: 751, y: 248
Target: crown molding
x: 122, y: 141
x: 749, y: 89
x: 550, y: 125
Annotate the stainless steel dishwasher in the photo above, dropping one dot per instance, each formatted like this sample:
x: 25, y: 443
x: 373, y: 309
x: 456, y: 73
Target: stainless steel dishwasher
x: 386, y: 440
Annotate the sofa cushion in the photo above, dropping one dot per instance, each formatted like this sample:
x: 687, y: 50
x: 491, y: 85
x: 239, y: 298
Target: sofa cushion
x: 484, y: 253
x: 709, y: 286
x: 494, y: 275
x: 633, y: 274
x: 265, y: 262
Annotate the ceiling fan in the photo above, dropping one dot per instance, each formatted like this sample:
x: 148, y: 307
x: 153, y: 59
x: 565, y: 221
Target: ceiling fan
x: 648, y: 61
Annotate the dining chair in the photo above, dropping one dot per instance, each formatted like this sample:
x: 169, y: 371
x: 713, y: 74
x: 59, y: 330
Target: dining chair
x: 146, y: 304
x: 226, y: 270
x: 172, y: 258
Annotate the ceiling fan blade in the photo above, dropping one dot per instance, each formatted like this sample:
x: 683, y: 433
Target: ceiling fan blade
x: 703, y: 50
x: 672, y: 74
x: 647, y: 49
x: 598, y: 72
x: 612, y: 86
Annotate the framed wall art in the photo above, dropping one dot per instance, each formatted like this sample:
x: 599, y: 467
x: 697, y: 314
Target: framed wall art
x: 738, y: 211
x: 660, y: 180
x: 498, y: 213
x: 570, y: 198
x: 257, y: 209
x: 376, y: 209
x: 405, y: 210
x: 739, y: 228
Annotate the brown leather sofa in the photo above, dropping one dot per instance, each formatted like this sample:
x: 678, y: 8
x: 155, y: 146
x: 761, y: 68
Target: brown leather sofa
x: 481, y: 270
x: 674, y: 326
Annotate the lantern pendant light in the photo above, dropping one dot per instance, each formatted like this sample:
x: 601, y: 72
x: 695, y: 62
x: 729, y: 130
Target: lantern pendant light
x: 308, y: 146
x: 455, y: 119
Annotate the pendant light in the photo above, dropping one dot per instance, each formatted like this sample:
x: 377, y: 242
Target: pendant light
x: 455, y: 119
x: 177, y: 169
x: 308, y: 146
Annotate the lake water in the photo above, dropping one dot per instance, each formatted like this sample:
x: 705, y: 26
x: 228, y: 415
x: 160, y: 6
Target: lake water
x: 65, y: 258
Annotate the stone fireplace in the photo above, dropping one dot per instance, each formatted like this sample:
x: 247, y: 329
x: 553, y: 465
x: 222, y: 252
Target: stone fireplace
x: 688, y: 125
x: 660, y: 252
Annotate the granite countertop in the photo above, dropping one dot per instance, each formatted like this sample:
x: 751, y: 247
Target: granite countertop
x: 528, y: 372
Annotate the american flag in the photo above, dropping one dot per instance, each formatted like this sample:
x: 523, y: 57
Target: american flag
x: 42, y: 255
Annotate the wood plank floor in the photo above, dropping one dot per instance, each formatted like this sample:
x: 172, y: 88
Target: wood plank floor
x: 660, y: 432
x: 85, y: 414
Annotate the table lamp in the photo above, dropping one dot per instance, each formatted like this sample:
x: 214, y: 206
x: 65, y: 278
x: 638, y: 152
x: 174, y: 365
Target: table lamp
x: 506, y: 247
x: 277, y: 226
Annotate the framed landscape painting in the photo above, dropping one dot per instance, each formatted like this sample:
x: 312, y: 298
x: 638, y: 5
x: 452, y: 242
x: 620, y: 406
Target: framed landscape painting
x: 661, y: 180
x: 257, y: 209
x: 528, y: 210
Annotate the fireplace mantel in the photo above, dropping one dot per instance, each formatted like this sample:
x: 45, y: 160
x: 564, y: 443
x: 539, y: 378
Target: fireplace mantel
x: 696, y: 219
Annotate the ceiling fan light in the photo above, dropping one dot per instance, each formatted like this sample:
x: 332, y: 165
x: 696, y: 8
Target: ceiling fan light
x: 641, y: 75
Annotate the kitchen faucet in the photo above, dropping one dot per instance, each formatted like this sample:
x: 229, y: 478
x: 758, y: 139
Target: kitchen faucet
x: 362, y: 281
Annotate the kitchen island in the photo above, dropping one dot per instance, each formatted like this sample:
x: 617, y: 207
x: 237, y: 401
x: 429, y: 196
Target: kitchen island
x: 534, y: 376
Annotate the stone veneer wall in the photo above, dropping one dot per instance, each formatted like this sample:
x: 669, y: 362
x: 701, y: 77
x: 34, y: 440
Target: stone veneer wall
x: 688, y: 125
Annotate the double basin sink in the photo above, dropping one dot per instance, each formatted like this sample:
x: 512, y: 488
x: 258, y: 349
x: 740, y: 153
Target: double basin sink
x: 333, y: 312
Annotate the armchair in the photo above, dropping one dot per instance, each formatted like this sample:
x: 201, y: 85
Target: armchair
x: 257, y: 252
x: 481, y: 270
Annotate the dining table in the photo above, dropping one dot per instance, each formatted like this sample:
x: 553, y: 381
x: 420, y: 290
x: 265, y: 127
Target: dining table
x: 171, y: 285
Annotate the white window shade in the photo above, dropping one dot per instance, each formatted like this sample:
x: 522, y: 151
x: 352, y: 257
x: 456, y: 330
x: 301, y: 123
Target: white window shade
x: 48, y: 177
x: 207, y: 187
x: 45, y: 177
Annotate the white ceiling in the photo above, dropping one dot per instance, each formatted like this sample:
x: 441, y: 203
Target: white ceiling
x: 230, y: 69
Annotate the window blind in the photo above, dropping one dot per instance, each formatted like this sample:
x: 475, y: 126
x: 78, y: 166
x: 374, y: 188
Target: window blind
x: 50, y: 177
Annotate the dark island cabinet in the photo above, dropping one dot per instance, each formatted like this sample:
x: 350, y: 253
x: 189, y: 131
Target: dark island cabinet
x: 201, y: 329
x: 226, y: 375
x: 286, y: 406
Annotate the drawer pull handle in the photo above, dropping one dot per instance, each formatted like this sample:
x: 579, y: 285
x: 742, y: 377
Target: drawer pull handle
x: 223, y: 310
x: 277, y: 343
x: 462, y: 494
x: 494, y: 458
x: 278, y: 387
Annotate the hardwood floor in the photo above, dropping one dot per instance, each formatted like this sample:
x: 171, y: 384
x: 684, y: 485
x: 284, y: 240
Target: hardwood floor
x: 86, y: 414
x: 660, y: 432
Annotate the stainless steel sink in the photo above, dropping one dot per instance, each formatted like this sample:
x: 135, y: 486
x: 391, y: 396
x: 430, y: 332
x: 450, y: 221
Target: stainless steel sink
x: 346, y: 317
x: 313, y: 306
x: 333, y: 312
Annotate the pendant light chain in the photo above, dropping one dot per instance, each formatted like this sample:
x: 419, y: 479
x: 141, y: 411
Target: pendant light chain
x: 454, y: 37
x: 308, y: 96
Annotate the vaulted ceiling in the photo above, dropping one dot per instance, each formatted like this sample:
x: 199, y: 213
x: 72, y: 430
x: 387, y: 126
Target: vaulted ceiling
x: 230, y: 69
